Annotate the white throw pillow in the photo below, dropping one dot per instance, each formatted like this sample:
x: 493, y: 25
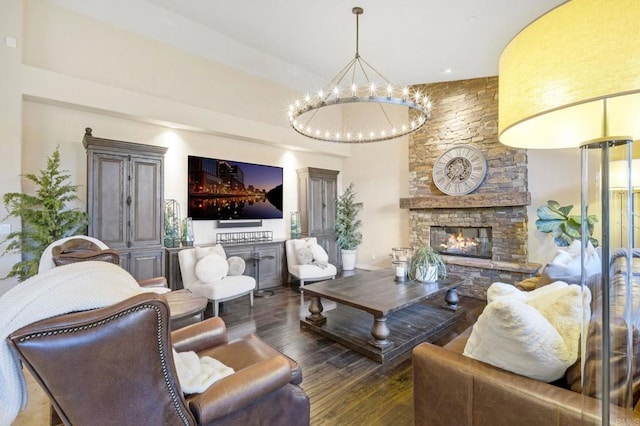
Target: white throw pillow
x: 304, y: 256
x: 567, y: 265
x: 237, y: 265
x: 319, y: 254
x: 211, y: 268
x: 534, y: 334
x: 498, y: 290
x: 205, y: 251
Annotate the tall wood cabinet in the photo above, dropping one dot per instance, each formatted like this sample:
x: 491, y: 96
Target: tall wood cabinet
x: 317, y: 195
x: 125, y: 199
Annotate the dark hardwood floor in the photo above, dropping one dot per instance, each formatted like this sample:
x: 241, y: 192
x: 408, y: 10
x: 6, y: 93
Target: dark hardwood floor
x: 345, y: 388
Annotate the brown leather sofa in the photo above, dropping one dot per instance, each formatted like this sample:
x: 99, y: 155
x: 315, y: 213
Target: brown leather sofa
x: 451, y: 389
x: 114, y: 365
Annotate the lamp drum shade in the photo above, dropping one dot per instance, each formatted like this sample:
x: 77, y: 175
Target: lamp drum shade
x: 572, y: 76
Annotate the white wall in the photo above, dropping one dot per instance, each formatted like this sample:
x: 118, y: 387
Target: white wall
x: 10, y: 120
x: 380, y: 173
x: 75, y: 72
x: 47, y: 126
x: 553, y: 175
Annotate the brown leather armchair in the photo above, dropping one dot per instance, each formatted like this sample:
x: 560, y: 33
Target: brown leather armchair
x: 114, y: 365
x: 80, y: 248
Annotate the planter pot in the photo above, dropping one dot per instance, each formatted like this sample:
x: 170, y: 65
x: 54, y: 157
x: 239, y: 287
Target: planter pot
x: 427, y: 274
x: 348, y: 259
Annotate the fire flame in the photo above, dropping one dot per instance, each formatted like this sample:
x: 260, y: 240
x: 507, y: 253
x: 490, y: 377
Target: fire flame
x: 459, y: 242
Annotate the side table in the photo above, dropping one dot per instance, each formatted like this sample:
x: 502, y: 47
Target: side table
x: 185, y: 308
x: 257, y: 257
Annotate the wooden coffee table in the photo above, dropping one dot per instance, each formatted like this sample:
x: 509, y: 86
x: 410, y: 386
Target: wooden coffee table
x: 378, y: 316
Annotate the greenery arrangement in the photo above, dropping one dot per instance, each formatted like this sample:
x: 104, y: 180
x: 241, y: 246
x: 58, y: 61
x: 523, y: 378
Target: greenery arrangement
x: 44, y: 216
x: 423, y: 258
x: 171, y: 224
x: 347, y: 223
x: 554, y: 219
x: 187, y: 232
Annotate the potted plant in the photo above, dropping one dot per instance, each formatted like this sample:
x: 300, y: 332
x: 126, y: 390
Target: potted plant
x: 347, y: 225
x: 45, y: 217
x: 554, y: 219
x: 427, y: 265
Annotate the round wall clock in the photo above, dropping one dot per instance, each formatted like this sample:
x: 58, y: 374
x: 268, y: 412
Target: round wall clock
x: 459, y: 170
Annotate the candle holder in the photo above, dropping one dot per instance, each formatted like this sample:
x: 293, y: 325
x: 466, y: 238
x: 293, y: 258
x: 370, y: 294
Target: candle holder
x: 401, y: 257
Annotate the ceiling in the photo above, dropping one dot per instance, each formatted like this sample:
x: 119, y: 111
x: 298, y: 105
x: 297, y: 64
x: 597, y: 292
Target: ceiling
x: 303, y: 43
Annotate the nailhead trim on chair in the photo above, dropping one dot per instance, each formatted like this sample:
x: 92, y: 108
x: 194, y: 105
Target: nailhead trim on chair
x: 175, y: 399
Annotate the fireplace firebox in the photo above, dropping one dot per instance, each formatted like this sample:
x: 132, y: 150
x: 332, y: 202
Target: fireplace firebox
x: 462, y: 241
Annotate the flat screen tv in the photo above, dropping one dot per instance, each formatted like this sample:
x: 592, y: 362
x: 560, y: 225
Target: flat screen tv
x: 222, y: 190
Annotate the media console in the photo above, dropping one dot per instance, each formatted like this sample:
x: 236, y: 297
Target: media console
x: 273, y: 271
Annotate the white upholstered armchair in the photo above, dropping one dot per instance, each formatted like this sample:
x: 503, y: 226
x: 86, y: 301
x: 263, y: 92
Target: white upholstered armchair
x: 207, y: 272
x: 307, y: 261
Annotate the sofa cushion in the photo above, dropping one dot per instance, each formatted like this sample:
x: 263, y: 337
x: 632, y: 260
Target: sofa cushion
x: 538, y: 333
x: 211, y: 268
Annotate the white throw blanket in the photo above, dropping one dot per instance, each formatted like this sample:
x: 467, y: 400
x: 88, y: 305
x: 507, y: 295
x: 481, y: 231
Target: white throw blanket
x: 75, y: 287
x: 197, y: 374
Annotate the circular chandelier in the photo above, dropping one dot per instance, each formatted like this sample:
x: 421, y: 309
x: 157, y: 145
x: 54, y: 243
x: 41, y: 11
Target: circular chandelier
x: 390, y: 112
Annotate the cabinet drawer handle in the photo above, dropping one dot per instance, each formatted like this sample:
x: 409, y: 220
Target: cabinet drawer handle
x: 146, y: 258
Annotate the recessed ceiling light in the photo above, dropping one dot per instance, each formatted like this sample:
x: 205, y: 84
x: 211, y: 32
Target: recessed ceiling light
x: 473, y: 19
x: 447, y: 70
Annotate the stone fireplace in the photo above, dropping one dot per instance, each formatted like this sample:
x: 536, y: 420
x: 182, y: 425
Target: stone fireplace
x: 465, y: 113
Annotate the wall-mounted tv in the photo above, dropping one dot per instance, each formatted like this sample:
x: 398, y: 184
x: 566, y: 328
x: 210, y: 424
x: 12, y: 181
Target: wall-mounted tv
x: 222, y: 190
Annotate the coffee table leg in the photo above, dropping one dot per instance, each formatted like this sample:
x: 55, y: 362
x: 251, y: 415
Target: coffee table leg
x: 380, y: 333
x: 315, y: 307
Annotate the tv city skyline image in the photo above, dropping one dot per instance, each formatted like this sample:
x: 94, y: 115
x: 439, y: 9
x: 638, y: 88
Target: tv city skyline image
x: 223, y: 189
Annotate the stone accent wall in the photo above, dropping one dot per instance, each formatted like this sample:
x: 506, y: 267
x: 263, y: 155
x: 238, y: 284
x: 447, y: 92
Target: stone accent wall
x: 466, y: 112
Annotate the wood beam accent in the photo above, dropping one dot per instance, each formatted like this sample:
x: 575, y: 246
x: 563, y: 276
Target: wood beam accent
x: 471, y: 201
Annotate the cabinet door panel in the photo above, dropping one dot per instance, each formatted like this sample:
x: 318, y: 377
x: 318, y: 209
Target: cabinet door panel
x: 145, y: 264
x: 108, y: 210
x: 317, y: 203
x: 146, y: 209
x: 270, y: 266
x: 330, y: 197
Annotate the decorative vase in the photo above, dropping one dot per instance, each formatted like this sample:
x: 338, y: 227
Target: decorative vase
x: 171, y: 224
x: 348, y: 259
x: 187, y: 232
x: 295, y: 225
x: 427, y: 274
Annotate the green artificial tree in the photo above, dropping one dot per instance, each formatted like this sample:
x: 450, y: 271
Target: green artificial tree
x: 347, y: 223
x: 44, y: 216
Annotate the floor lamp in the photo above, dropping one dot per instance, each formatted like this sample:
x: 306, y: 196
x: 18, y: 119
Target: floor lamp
x: 618, y: 183
x: 571, y: 79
